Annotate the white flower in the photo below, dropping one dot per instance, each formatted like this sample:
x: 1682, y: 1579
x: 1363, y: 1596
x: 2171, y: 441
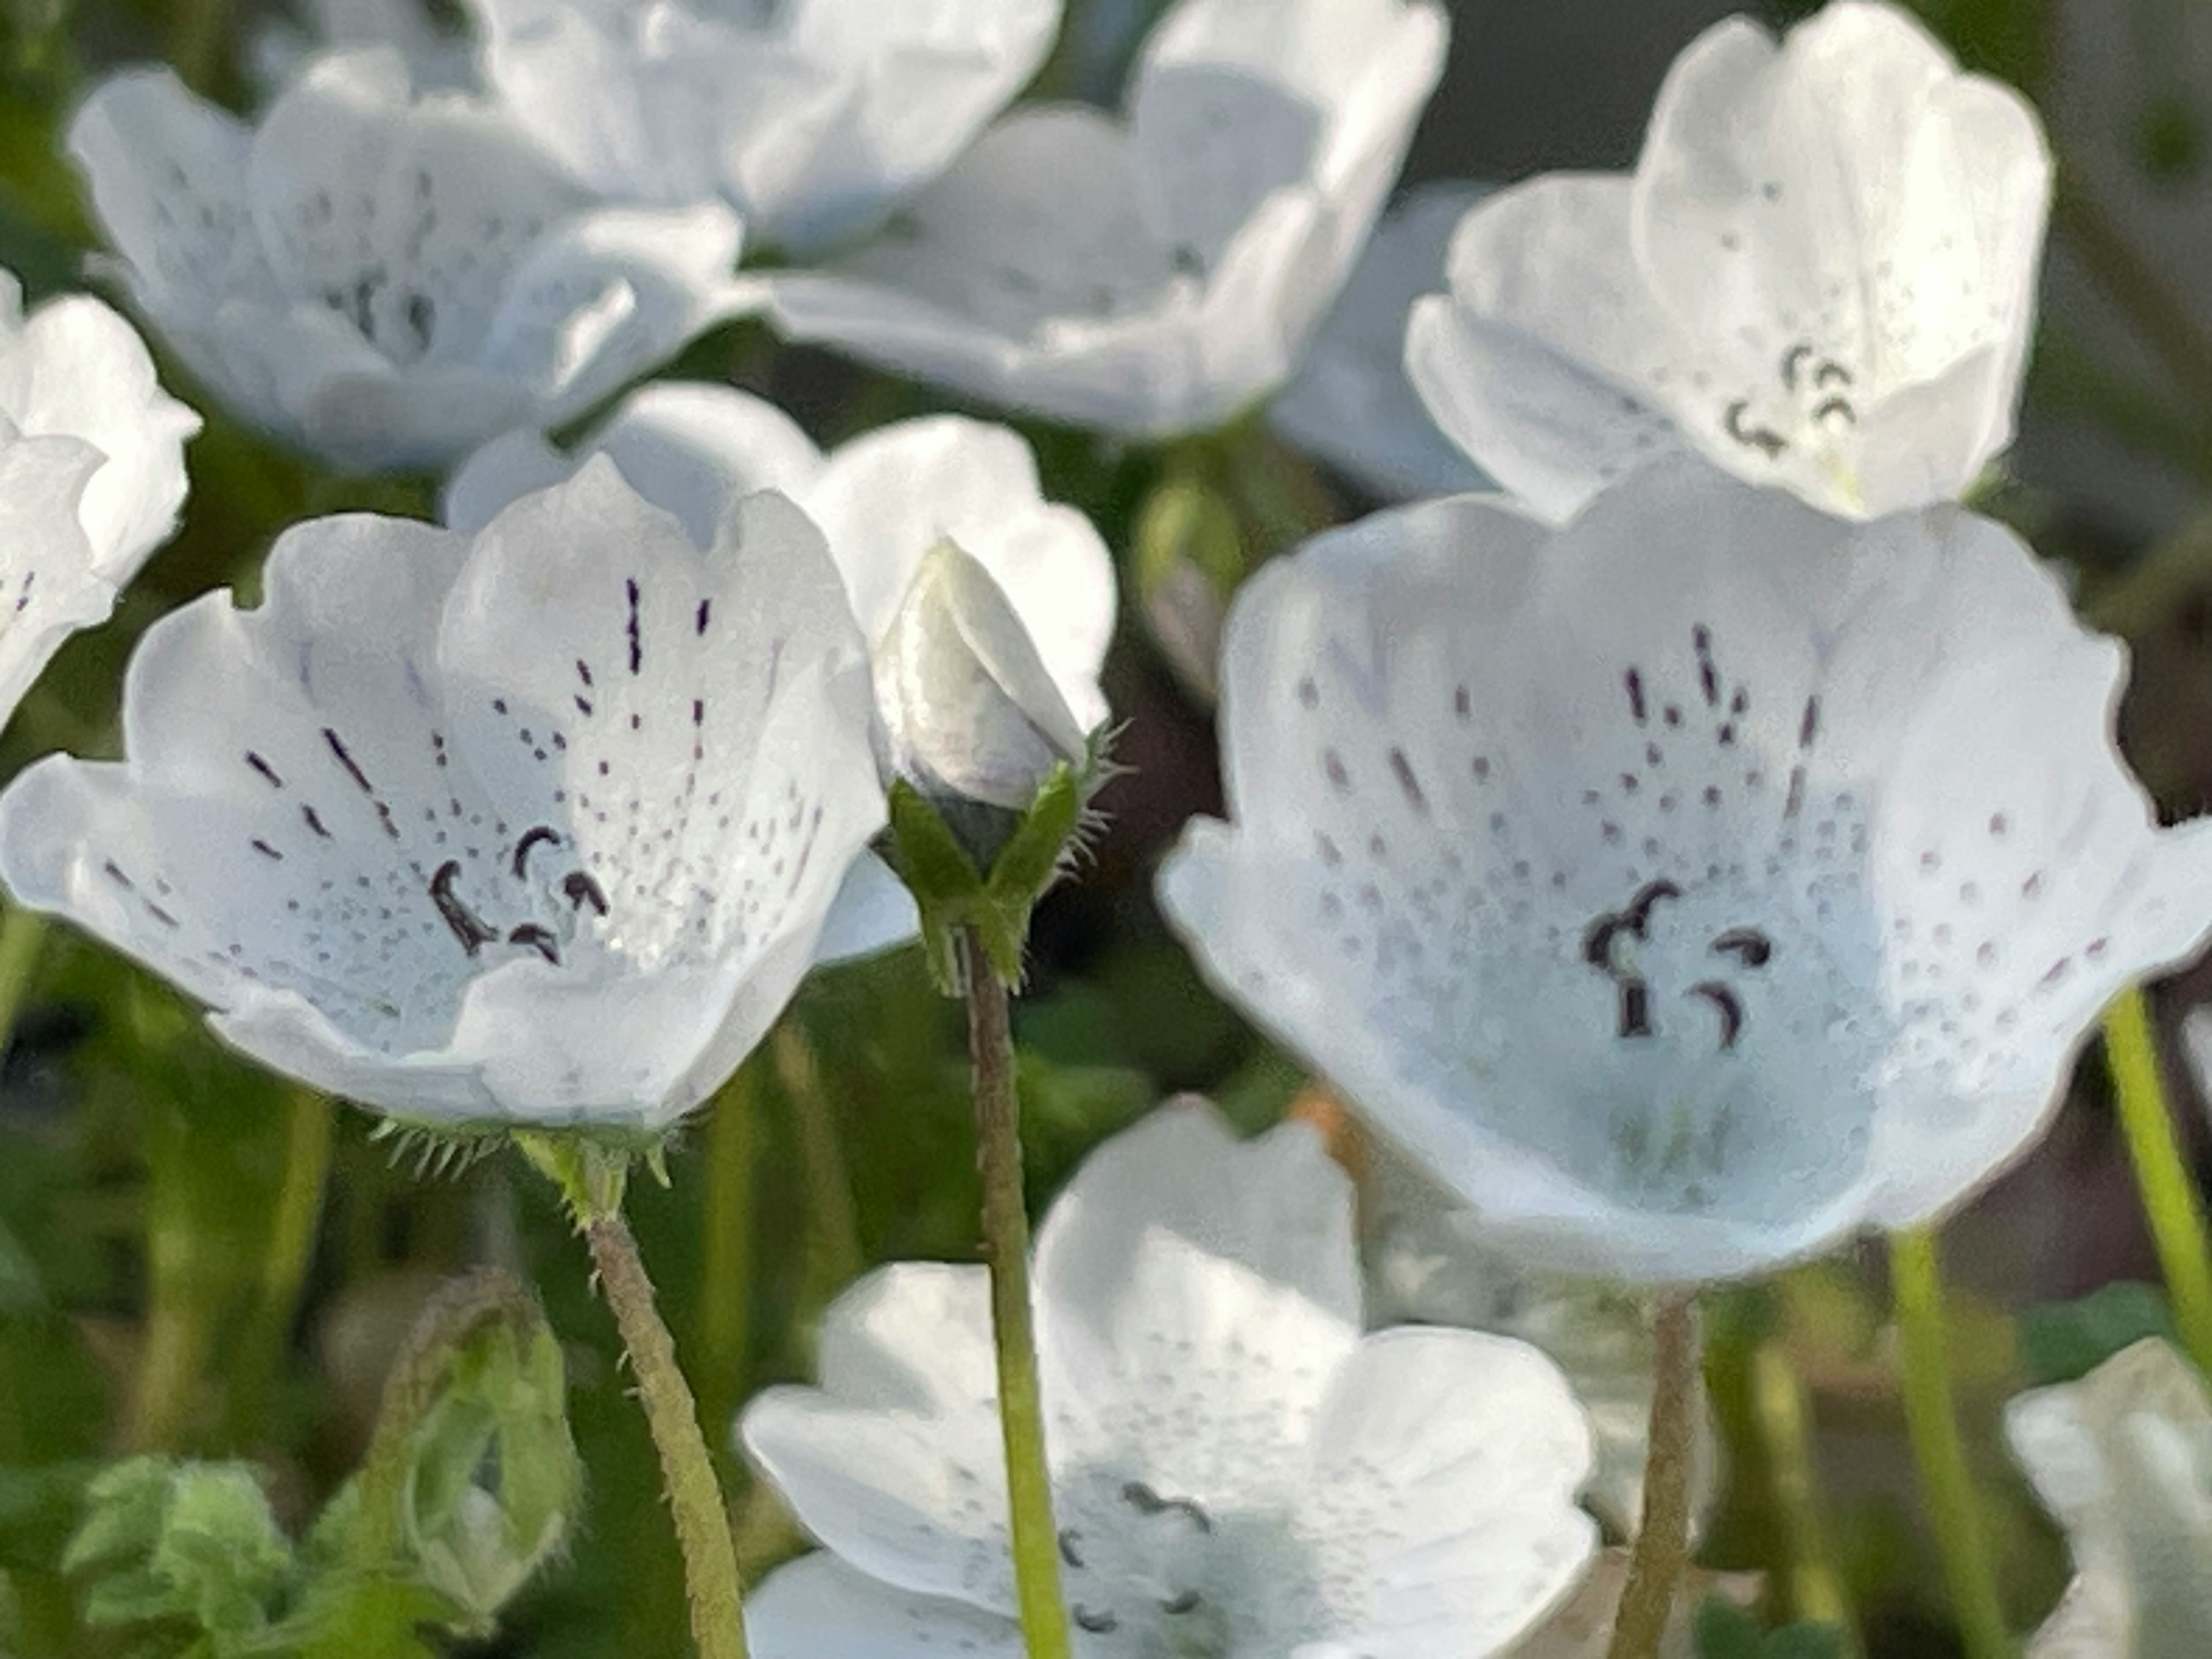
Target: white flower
x: 536, y: 825
x: 92, y: 473
x: 883, y: 500
x: 383, y: 279
x: 812, y: 117
x: 1155, y: 273
x: 2122, y: 1459
x: 1692, y: 886
x: 1352, y: 404
x: 1821, y: 275
x: 1235, y: 1469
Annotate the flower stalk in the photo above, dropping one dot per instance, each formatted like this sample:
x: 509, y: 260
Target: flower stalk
x: 2170, y: 1202
x: 592, y: 1179
x: 1783, y: 1415
x: 1007, y: 1247
x: 1661, y: 1554
x: 1931, y: 1418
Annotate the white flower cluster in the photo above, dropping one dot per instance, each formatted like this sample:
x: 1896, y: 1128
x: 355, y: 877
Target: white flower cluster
x: 1684, y: 829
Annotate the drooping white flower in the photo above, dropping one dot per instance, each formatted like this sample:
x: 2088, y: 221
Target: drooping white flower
x: 383, y: 279
x: 1690, y: 886
x: 2123, y: 1460
x: 811, y: 118
x: 540, y: 825
x: 1154, y: 274
x: 1351, y: 404
x: 883, y: 500
x: 1821, y: 275
x: 1235, y: 1469
x: 92, y: 473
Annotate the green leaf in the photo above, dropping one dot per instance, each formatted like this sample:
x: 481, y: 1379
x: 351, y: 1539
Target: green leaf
x: 191, y: 1542
x: 1722, y: 1630
x: 2062, y: 1341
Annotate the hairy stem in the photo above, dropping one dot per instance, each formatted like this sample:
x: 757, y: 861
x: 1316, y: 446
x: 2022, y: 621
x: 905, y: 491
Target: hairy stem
x: 687, y: 1469
x: 2170, y: 1200
x: 1946, y: 1483
x: 1662, y: 1552
x: 1006, y: 1243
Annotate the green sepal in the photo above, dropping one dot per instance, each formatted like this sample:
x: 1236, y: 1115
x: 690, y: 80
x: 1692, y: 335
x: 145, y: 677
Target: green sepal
x: 591, y: 1173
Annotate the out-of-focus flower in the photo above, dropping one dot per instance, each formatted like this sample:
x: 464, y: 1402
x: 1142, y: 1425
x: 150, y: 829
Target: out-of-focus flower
x: 1352, y: 404
x: 2123, y: 1460
x: 539, y: 825
x: 383, y: 279
x: 1821, y: 275
x: 92, y: 473
x: 1691, y: 886
x: 1154, y: 274
x: 438, y: 52
x: 811, y: 118
x: 1235, y: 1468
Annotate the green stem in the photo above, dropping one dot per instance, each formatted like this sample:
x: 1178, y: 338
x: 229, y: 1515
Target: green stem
x: 310, y: 1129
x: 726, y: 1276
x: 1662, y: 1553
x: 1814, y: 1583
x: 1946, y: 1484
x: 1006, y: 1245
x: 835, y: 1222
x: 2170, y: 1199
x: 22, y: 938
x: 2153, y: 588
x: 695, y: 1497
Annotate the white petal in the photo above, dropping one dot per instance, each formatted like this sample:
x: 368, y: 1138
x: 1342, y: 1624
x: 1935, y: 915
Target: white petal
x: 76, y: 368
x: 818, y: 1607
x: 49, y: 583
x: 1352, y: 404
x: 1441, y: 1504
x: 884, y: 498
x: 811, y: 124
x: 690, y: 448
x: 2122, y: 1459
x: 1191, y: 1371
x: 1278, y: 1204
x: 896, y: 1462
x: 1510, y: 857
x: 1539, y: 363
x: 873, y: 912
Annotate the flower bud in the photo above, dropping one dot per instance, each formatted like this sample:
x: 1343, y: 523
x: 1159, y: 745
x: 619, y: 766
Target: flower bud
x: 970, y: 711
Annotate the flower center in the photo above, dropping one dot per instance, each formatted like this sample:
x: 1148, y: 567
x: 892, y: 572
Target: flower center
x: 1140, y: 1571
x: 1610, y: 946
x: 1810, y: 406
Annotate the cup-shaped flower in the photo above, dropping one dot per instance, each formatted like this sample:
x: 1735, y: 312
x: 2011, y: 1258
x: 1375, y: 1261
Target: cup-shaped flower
x: 2123, y: 1460
x: 1693, y: 884
x: 384, y: 279
x: 883, y: 500
x: 1821, y: 275
x: 811, y: 119
x: 536, y: 826
x: 92, y: 473
x: 1351, y: 404
x: 1154, y: 274
x: 1235, y: 1468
